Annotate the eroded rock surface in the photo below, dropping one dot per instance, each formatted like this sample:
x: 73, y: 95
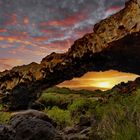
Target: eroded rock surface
x: 19, y: 116
x: 113, y: 44
x: 7, y: 132
x: 29, y: 125
x: 33, y: 128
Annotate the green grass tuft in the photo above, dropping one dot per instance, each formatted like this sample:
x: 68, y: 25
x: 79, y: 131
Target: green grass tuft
x: 62, y: 117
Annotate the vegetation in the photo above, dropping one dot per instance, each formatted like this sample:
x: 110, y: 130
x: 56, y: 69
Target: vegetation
x: 4, y: 117
x: 116, y: 116
x: 62, y: 117
x: 66, y: 106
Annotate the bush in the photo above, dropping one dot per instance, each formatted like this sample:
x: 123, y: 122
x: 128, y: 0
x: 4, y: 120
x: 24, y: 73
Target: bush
x: 56, y: 99
x: 52, y: 99
x: 62, y: 117
x: 56, y: 89
x: 81, y: 106
x: 4, y: 117
x: 49, y: 99
x: 119, y: 118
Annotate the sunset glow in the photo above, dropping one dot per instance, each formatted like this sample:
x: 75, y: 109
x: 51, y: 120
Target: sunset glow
x: 104, y: 85
x: 99, y: 80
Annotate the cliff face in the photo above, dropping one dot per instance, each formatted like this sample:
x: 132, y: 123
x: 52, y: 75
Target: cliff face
x: 113, y: 44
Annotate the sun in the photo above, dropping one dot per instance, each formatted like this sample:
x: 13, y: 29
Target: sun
x: 104, y: 85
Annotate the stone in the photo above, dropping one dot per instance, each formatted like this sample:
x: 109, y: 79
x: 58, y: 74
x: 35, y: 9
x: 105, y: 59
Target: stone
x: 85, y: 121
x: 34, y: 129
x: 7, y: 132
x: 19, y: 116
x: 33, y: 125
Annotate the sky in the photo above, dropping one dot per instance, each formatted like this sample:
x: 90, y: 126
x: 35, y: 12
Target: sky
x: 32, y: 29
x: 98, y: 80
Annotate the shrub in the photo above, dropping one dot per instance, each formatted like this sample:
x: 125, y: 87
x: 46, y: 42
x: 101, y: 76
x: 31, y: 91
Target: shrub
x: 56, y: 89
x: 81, y: 106
x: 5, y: 117
x: 49, y: 99
x: 62, y: 117
x: 119, y: 118
x: 56, y: 99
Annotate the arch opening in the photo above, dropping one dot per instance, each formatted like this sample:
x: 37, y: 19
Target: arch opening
x: 98, y: 80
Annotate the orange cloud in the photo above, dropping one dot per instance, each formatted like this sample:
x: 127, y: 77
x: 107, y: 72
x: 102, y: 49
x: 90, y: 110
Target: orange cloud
x: 26, y: 20
x: 2, y: 30
x: 20, y: 39
x: 8, y: 63
x: 40, y: 39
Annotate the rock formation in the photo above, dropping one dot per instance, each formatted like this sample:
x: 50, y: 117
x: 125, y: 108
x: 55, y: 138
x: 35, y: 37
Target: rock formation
x: 127, y: 88
x: 113, y: 44
x: 7, y: 132
x: 29, y: 125
x: 32, y: 124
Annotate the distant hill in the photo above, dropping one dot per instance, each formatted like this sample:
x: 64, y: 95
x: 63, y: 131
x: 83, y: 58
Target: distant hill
x: 65, y: 90
x: 123, y: 87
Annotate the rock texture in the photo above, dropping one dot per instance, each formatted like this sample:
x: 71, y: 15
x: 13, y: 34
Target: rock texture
x: 6, y: 132
x: 19, y: 116
x: 80, y: 131
x: 113, y: 44
x: 127, y: 88
x: 29, y: 125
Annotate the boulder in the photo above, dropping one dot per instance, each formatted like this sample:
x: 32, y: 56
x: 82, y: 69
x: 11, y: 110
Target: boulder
x: 33, y: 125
x: 7, y: 132
x: 33, y: 129
x: 21, y: 115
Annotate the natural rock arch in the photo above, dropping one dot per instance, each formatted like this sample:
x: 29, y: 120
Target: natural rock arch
x: 113, y: 44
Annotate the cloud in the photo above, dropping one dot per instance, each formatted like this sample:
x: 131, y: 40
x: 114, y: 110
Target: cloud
x: 31, y: 29
x: 8, y: 63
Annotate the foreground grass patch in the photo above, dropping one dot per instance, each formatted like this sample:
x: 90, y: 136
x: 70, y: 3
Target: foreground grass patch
x: 119, y: 118
x: 4, y: 117
x: 114, y: 116
x: 62, y: 117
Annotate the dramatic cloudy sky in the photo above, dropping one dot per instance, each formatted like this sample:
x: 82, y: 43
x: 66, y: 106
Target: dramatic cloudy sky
x: 31, y: 29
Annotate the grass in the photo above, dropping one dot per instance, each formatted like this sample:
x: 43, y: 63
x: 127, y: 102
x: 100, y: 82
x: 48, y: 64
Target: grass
x: 4, y: 117
x: 66, y: 108
x: 119, y: 118
x: 81, y: 106
x: 58, y: 90
x: 62, y: 117
x: 116, y: 116
x: 73, y: 112
x: 50, y: 100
